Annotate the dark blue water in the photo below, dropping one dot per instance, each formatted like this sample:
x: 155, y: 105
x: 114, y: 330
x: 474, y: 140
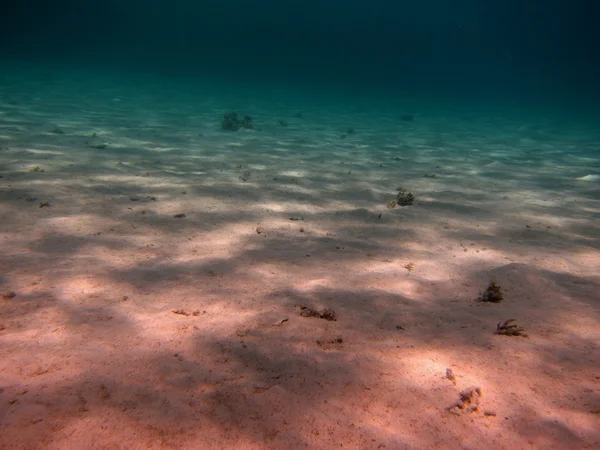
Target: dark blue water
x: 538, y: 50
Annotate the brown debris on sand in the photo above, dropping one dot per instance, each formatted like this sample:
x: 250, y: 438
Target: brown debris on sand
x: 506, y: 328
x: 492, y: 294
x: 336, y: 343
x: 327, y: 314
x: 148, y: 198
x: 183, y: 312
x: 468, y: 401
x: 450, y: 376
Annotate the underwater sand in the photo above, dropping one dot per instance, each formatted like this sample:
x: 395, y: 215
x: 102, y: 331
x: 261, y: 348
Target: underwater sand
x: 93, y: 355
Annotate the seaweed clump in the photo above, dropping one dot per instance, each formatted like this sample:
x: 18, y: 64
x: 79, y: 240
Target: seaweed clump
x: 507, y: 328
x: 492, y: 294
x: 404, y: 198
x: 232, y: 122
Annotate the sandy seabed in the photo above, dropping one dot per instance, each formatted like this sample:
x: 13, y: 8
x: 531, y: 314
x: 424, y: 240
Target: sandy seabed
x: 125, y: 327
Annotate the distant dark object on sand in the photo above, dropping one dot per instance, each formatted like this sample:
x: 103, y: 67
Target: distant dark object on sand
x: 232, y: 122
x: 404, y: 198
x: 492, y: 294
x: 408, y: 117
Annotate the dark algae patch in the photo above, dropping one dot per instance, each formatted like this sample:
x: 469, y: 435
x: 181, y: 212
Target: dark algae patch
x: 492, y: 294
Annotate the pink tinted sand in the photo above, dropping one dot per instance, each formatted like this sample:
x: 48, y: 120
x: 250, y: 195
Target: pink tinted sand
x: 93, y: 355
